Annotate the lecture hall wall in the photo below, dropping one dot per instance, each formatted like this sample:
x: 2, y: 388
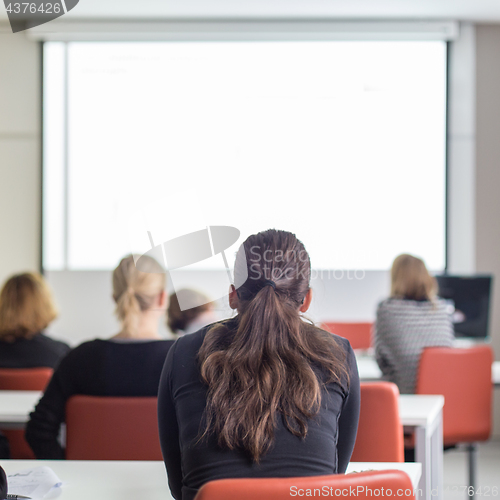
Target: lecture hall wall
x: 474, y: 239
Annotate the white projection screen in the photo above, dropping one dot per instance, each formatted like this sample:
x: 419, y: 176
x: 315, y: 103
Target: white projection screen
x: 342, y: 143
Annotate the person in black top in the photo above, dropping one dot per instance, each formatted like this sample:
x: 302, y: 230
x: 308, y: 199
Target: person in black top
x: 128, y: 364
x: 26, y: 309
x: 264, y: 394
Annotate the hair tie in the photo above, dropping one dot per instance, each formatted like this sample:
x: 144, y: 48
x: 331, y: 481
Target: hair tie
x: 130, y: 291
x: 269, y: 283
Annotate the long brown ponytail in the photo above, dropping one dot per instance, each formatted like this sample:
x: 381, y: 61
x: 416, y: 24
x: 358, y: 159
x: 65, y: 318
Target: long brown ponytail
x: 266, y: 366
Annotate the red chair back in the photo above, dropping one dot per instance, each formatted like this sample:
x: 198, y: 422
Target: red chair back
x: 112, y: 428
x: 358, y: 334
x: 22, y: 379
x: 463, y: 376
x: 380, y: 432
x: 365, y: 484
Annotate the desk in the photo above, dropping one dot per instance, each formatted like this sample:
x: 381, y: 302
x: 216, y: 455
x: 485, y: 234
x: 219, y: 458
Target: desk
x: 495, y: 373
x: 15, y: 407
x: 126, y: 480
x: 413, y: 469
x: 424, y: 415
x: 368, y: 368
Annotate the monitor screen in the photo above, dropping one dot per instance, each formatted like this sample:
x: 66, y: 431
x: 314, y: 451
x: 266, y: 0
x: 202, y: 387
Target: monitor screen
x: 471, y: 298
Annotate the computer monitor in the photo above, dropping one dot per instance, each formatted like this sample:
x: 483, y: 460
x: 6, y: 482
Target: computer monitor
x: 471, y: 297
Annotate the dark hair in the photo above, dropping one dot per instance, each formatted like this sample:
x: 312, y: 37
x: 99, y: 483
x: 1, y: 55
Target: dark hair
x: 267, y: 365
x: 178, y: 319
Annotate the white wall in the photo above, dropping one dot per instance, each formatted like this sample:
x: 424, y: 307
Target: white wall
x: 86, y: 306
x: 488, y: 173
x: 19, y: 153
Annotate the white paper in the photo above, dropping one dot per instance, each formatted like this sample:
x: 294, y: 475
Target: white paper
x: 34, y: 483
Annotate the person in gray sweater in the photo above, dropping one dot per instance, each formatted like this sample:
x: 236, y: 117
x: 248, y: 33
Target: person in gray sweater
x: 411, y: 319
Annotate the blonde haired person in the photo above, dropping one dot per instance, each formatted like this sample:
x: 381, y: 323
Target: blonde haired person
x: 412, y: 318
x: 26, y: 310
x: 197, y: 311
x: 127, y: 364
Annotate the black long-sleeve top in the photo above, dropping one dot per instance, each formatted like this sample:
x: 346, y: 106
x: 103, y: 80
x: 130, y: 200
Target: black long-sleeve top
x: 190, y: 462
x: 35, y: 352
x: 95, y: 368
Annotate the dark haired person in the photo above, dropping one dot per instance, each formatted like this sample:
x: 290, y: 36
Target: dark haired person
x: 196, y: 312
x: 411, y: 319
x: 263, y: 394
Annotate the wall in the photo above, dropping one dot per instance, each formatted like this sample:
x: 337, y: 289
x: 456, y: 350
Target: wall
x: 19, y: 153
x: 86, y: 306
x: 488, y: 172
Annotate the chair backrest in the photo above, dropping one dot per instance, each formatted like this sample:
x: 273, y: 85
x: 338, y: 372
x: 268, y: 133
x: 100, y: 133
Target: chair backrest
x: 358, y: 334
x: 112, y: 428
x: 25, y: 379
x: 463, y: 376
x: 380, y: 432
x: 365, y: 484
x: 22, y: 379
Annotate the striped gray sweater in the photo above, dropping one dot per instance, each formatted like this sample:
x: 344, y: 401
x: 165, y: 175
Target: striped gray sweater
x: 401, y: 331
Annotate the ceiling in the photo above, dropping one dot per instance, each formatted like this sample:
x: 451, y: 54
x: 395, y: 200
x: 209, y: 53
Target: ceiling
x: 483, y: 11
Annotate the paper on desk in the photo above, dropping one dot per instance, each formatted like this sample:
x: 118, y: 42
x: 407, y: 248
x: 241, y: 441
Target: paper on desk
x: 34, y: 483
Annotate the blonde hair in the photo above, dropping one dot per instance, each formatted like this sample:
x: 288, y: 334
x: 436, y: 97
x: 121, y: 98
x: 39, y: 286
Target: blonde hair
x: 134, y: 291
x: 410, y: 279
x: 26, y: 306
x: 178, y: 319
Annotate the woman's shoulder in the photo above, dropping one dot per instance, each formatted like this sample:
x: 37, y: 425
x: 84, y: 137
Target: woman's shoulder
x: 402, y: 304
x: 44, y: 339
x: 124, y: 346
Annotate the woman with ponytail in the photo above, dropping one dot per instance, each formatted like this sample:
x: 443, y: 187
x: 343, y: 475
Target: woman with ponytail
x: 264, y: 394
x: 127, y: 364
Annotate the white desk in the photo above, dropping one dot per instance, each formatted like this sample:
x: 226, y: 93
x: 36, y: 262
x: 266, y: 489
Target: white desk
x: 368, y: 368
x: 126, y: 480
x: 495, y: 373
x: 424, y: 415
x: 15, y: 407
x: 413, y: 469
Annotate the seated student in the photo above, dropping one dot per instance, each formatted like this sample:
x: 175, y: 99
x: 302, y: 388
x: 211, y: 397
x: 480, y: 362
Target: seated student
x: 264, y: 394
x: 411, y: 319
x: 128, y: 364
x: 197, y: 312
x: 26, y: 309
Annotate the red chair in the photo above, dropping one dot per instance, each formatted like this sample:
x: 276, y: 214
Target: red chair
x: 22, y: 379
x: 463, y: 376
x: 380, y: 432
x: 112, y: 428
x: 365, y: 485
x: 358, y: 334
